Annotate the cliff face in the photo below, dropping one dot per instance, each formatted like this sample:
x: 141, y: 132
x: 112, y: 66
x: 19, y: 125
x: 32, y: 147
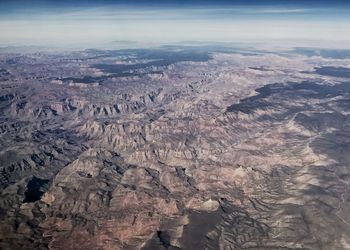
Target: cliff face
x: 234, y: 152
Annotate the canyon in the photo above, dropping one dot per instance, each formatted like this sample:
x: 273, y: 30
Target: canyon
x: 176, y: 147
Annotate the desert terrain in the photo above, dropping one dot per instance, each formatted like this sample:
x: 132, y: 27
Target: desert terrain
x: 176, y: 147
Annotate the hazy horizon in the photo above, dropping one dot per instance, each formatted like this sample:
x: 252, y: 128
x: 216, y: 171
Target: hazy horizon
x: 99, y: 23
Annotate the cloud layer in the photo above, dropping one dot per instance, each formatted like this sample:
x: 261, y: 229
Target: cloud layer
x: 98, y: 24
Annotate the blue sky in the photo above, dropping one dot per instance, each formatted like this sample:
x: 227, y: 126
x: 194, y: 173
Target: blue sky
x: 89, y: 23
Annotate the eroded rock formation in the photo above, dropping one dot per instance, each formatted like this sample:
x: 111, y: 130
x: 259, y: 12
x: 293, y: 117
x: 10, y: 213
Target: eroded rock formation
x: 225, y: 151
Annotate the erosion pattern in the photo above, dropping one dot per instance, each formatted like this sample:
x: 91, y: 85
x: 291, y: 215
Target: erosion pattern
x: 174, y: 148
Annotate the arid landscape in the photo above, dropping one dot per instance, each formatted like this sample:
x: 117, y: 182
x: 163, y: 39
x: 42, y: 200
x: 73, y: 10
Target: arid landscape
x: 176, y: 147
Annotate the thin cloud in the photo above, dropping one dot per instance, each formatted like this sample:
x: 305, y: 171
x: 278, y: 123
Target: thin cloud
x: 278, y: 11
x: 158, y: 24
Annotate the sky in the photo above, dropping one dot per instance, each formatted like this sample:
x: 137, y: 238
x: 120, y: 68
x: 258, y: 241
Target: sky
x: 92, y: 23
